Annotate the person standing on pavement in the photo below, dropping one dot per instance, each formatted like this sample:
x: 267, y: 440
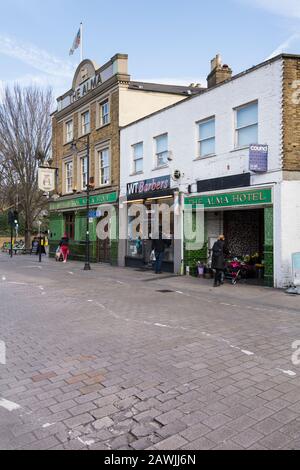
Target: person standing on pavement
x: 159, y: 245
x: 218, y: 260
x: 64, y: 247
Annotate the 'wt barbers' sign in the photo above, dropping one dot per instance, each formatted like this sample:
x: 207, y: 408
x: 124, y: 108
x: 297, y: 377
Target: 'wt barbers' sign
x: 149, y: 186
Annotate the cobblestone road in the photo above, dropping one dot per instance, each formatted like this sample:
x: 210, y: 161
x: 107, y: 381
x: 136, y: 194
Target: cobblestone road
x: 122, y: 359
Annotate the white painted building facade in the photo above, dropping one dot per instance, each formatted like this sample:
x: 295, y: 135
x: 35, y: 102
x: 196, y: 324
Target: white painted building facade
x: 261, y: 86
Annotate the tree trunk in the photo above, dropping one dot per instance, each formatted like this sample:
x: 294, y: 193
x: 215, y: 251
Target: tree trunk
x: 27, y: 235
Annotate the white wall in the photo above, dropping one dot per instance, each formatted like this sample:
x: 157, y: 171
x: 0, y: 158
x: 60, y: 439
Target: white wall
x: 263, y: 84
x: 135, y: 104
x: 287, y: 230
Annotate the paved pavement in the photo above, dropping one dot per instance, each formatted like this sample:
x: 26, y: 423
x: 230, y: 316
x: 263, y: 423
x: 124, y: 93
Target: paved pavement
x: 123, y: 359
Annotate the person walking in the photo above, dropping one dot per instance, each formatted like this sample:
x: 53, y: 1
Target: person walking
x: 64, y: 247
x: 159, y: 245
x: 218, y: 260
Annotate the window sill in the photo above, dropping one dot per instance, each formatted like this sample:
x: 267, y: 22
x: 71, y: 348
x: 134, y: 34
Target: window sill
x: 102, y: 126
x: 160, y: 167
x: 101, y: 186
x: 237, y: 149
x: 198, y: 159
x: 84, y: 135
x: 136, y: 173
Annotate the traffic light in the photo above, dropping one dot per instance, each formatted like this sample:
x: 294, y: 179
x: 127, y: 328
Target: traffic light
x: 13, y: 218
x: 16, y: 218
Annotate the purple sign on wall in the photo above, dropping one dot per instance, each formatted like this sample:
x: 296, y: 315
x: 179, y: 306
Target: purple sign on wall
x: 258, y: 158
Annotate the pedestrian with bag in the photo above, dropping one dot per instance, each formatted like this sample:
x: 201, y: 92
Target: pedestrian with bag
x: 218, y: 260
x: 64, y: 247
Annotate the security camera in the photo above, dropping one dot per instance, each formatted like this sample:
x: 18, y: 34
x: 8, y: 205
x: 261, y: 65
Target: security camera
x: 170, y: 157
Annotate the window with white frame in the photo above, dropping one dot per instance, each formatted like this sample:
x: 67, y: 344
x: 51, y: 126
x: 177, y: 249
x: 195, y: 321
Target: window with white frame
x: 246, y: 125
x: 104, y: 113
x: 83, y: 166
x: 85, y: 123
x: 162, y: 153
x: 104, y: 166
x: 138, y: 150
x: 69, y: 176
x: 69, y: 131
x: 207, y: 137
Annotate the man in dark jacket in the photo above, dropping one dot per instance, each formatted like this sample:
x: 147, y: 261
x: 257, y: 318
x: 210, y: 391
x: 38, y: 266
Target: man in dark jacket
x: 159, y: 245
x: 218, y: 260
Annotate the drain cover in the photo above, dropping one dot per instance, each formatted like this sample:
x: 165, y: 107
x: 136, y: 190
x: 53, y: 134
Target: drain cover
x: 165, y: 291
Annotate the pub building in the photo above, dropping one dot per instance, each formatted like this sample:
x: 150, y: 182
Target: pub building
x: 100, y: 101
x: 236, y: 147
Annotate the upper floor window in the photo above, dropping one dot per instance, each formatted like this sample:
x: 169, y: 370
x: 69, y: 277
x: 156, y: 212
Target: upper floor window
x: 85, y: 123
x: 138, y: 157
x: 83, y: 166
x: 69, y: 176
x: 246, y: 125
x: 207, y: 137
x: 104, y: 113
x: 161, y: 150
x: 69, y: 131
x: 104, y: 166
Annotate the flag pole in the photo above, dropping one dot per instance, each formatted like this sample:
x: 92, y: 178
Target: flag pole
x: 81, y: 42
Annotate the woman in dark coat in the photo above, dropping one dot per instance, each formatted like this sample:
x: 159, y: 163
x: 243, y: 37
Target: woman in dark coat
x: 218, y: 260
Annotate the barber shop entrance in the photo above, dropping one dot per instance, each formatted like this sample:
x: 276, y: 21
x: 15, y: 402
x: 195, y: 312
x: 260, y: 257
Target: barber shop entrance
x: 246, y: 220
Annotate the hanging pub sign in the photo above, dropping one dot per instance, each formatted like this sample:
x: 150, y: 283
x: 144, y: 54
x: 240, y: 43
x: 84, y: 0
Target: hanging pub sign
x: 258, y: 158
x: 46, y: 179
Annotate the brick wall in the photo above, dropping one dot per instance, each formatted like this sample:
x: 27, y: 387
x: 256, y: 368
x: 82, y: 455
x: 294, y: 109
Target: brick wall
x: 291, y: 114
x: 107, y: 133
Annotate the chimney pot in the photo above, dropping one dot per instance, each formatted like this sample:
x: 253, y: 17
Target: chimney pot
x: 219, y: 73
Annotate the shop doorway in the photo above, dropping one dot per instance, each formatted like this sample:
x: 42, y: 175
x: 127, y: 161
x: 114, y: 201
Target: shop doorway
x: 244, y: 231
x: 103, y: 246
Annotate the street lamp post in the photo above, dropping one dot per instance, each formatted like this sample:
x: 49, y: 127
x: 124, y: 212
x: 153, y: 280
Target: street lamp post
x: 87, y: 265
x: 40, y: 242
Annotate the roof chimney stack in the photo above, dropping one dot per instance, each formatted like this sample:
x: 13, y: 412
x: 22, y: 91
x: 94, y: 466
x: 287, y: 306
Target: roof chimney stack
x: 219, y: 73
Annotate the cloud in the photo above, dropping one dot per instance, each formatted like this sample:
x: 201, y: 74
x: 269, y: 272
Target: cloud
x: 37, y: 58
x: 54, y: 72
x: 287, y: 8
x: 284, y: 46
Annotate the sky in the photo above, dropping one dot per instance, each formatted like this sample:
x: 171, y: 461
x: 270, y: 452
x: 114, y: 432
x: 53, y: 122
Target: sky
x: 168, y: 41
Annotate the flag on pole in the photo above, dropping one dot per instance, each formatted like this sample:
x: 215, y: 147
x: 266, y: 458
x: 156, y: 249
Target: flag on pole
x: 76, y: 43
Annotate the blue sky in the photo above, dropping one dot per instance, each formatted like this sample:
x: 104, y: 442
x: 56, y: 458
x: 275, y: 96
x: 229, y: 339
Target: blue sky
x: 167, y: 40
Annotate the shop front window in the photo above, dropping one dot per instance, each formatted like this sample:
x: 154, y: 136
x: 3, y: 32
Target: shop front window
x: 139, y: 243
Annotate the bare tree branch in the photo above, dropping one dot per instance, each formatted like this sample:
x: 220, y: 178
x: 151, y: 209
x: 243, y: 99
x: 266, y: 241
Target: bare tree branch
x: 25, y: 138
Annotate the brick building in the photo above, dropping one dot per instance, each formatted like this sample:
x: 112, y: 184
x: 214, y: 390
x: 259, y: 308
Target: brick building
x: 101, y: 100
